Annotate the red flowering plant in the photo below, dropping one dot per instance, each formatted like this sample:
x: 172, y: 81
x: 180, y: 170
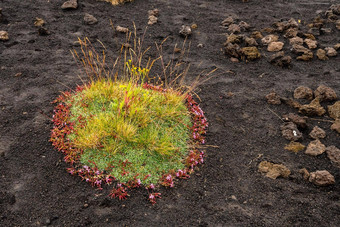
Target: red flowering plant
x: 126, y: 132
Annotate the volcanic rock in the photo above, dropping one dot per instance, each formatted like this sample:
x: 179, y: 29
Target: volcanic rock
x: 309, y: 36
x: 71, y: 4
x: 312, y: 44
x: 333, y: 153
x: 4, y: 36
x: 256, y: 35
x: 234, y: 28
x: 292, y: 103
x: 314, y: 108
x: 251, y: 53
x: 268, y: 30
x: 39, y: 22
x: 152, y: 20
x: 244, y: 26
x: 296, y: 119
x: 153, y: 12
x: 234, y: 39
x: 233, y: 50
x: 317, y: 133
x: 275, y: 57
x: 228, y: 21
x: 296, y: 41
x: 269, y: 38
x: 122, y: 29
x: 306, y: 53
x: 335, y: 9
x: 280, y: 59
x: 291, y: 32
x: 290, y: 131
x: 306, y: 56
x: 250, y: 41
x: 279, y: 26
x: 331, y: 52
x: 321, y: 178
x: 295, y: 147
x: 321, y: 54
x: 336, y: 126
x: 90, y: 19
x: 291, y: 23
x: 185, y: 31
x: 273, y: 98
x: 315, y: 148
x: 275, y: 46
x: 334, y: 110
x: 337, y: 46
x: 303, y: 93
x: 272, y: 170
x: 324, y: 93
x: 304, y: 173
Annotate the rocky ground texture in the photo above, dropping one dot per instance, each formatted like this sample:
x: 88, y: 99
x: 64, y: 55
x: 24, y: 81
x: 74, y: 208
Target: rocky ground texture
x: 272, y: 106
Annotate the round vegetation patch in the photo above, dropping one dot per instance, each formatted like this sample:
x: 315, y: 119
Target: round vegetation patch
x: 128, y: 134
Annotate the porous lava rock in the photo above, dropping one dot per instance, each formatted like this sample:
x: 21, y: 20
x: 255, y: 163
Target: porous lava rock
x: 290, y: 131
x: 331, y: 52
x: 333, y: 153
x: 280, y: 59
x: 4, y: 36
x: 234, y: 28
x: 228, y: 21
x: 71, y: 4
x: 334, y: 110
x: 269, y: 38
x: 273, y: 98
x: 296, y: 41
x: 312, y: 109
x: 336, y: 126
x: 90, y: 19
x: 275, y: 46
x: 321, y: 178
x: 321, y: 54
x: 296, y: 119
x: 315, y: 148
x: 295, y: 147
x: 324, y: 93
x: 312, y: 44
x: 272, y: 170
x: 303, y: 92
x: 251, y: 53
x: 317, y: 133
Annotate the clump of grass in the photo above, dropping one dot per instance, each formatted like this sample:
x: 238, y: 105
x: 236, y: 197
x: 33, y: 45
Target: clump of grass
x: 120, y: 129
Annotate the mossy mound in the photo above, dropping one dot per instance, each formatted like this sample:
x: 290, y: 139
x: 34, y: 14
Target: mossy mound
x: 129, y: 133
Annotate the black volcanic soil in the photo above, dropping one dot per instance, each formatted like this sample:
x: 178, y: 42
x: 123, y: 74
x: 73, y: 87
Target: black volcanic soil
x: 227, y: 190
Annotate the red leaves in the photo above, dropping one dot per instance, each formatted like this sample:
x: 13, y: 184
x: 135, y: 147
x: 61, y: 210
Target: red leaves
x: 167, y: 180
x: 153, y: 196
x: 120, y: 192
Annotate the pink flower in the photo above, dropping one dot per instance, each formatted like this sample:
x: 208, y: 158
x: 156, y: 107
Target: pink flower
x: 169, y: 177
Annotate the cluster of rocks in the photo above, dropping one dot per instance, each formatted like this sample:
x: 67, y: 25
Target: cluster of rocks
x: 295, y: 126
x: 242, y: 43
